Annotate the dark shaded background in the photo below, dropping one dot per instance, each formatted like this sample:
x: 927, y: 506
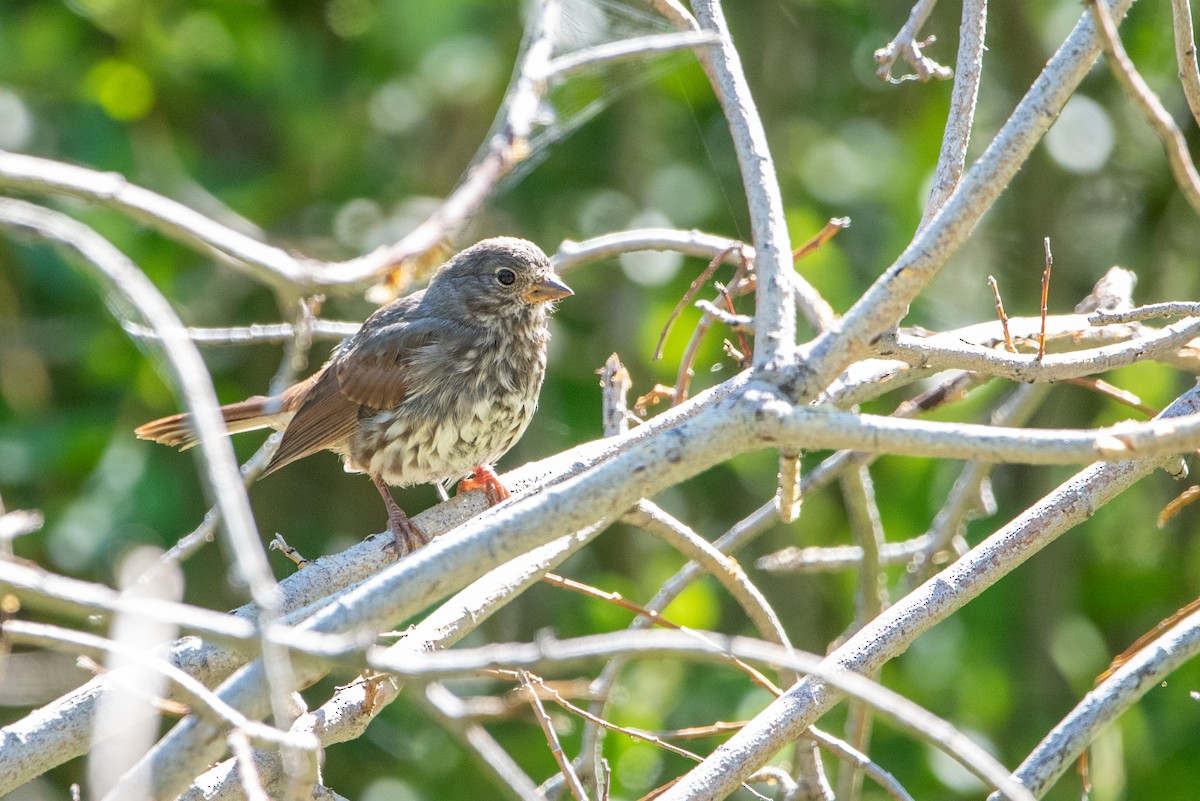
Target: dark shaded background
x: 333, y: 124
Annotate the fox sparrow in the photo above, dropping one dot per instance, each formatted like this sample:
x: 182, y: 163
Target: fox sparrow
x: 436, y: 385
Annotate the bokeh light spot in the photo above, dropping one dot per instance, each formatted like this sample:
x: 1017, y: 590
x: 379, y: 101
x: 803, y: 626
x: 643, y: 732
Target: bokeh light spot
x: 16, y: 123
x: 123, y: 90
x: 349, y: 18
x: 1082, y: 138
x: 651, y: 267
x: 463, y: 70
x: 397, y: 107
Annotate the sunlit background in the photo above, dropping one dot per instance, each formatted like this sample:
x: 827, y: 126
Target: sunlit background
x: 333, y: 127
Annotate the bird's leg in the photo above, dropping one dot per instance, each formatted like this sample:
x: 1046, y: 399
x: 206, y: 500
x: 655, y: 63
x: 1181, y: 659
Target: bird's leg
x: 485, y: 478
x: 404, y: 531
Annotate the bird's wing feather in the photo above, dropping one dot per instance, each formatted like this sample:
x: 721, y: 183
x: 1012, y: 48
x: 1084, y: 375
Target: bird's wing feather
x: 366, y: 370
x: 374, y: 371
x: 324, y: 418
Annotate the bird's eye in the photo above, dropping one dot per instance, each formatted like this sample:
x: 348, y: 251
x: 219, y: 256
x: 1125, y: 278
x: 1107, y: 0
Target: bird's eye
x: 506, y: 276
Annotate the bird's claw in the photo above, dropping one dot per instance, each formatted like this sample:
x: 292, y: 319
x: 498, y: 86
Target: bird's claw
x: 407, y: 536
x: 485, y: 478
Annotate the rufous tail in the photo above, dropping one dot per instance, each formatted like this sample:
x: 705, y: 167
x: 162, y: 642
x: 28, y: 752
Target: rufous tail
x: 177, y: 430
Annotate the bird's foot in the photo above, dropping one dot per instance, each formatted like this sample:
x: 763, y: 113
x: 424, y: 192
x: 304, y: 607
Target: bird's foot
x: 485, y: 478
x: 407, y: 536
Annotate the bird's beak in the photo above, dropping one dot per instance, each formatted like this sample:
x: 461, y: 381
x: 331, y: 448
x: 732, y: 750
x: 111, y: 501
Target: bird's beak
x: 549, y: 288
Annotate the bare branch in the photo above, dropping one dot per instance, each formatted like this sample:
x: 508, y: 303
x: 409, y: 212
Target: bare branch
x: 952, y: 352
x: 959, y: 122
x: 250, y: 334
x: 201, y: 700
x: 130, y: 284
x: 892, y: 632
x: 1151, y: 107
x: 1185, y: 54
x: 1150, y: 312
x: 1104, y: 704
x: 547, y: 653
x: 556, y: 749
x: 861, y: 762
x: 906, y: 45
x: 816, y: 309
x: 970, y: 491
x: 268, y: 264
x: 882, y: 306
x: 625, y: 49
x: 772, y: 260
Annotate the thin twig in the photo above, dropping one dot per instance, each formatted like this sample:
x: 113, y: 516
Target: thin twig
x: 971, y: 496
x: 615, y: 384
x: 1177, y: 504
x: 638, y: 47
x: 1008, y: 340
x: 1041, y: 354
x: 447, y: 709
x: 252, y: 334
x: 1185, y: 54
x: 740, y: 324
x: 968, y: 72
x: 788, y: 495
x: 1151, y: 107
x: 564, y: 764
x: 17, y: 523
x: 722, y: 567
x: 278, y: 543
x: 674, y: 11
x: 905, y: 44
x: 1149, y: 312
x: 1122, y: 396
x: 861, y: 762
x: 239, y: 746
x: 697, y: 283
x: 831, y: 558
x: 657, y: 619
x: 818, y: 240
x: 628, y: 731
x: 862, y: 509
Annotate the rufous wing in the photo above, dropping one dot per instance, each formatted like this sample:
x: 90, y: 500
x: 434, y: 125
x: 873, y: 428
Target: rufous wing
x: 324, y: 418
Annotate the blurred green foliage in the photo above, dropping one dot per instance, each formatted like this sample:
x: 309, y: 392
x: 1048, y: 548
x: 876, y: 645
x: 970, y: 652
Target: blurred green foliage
x: 332, y: 123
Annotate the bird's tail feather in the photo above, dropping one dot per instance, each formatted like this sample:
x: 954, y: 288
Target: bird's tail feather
x: 178, y: 431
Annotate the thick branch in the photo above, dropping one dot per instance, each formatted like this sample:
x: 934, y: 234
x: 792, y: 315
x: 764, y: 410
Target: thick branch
x: 773, y: 251
x: 892, y: 632
x: 554, y: 654
x: 883, y: 305
x: 967, y: 74
x: 1104, y: 704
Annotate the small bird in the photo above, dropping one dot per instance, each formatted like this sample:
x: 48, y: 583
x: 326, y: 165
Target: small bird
x: 435, y: 386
